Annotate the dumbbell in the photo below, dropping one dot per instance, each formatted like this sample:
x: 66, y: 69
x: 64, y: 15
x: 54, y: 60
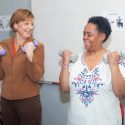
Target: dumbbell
x: 121, y: 54
x: 2, y: 52
x: 35, y: 42
x: 73, y: 58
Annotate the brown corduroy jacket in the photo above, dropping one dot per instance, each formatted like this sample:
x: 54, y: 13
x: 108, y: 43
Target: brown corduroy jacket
x: 20, y: 77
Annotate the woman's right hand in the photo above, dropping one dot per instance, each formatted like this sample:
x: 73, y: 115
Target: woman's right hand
x: 66, y: 55
x: 29, y: 48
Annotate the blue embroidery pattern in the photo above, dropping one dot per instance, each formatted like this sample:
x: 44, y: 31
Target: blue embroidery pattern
x: 87, y: 85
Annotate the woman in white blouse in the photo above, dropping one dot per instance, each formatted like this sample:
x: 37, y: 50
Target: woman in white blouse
x: 94, y: 86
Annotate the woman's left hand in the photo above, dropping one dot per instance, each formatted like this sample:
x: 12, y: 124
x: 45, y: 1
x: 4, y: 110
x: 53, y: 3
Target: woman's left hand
x: 29, y: 50
x: 113, y: 58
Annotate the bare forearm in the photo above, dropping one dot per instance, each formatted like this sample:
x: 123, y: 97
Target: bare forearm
x: 64, y: 74
x: 118, y: 82
x: 64, y: 79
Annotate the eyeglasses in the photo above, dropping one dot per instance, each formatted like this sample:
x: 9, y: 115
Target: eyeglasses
x: 90, y: 33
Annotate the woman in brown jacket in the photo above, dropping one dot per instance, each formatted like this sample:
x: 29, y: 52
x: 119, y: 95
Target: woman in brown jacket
x: 21, y: 68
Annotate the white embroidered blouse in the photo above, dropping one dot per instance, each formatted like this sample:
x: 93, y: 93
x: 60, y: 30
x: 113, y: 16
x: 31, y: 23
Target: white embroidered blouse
x: 92, y: 100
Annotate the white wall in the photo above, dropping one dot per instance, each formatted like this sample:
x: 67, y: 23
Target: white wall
x: 59, y: 25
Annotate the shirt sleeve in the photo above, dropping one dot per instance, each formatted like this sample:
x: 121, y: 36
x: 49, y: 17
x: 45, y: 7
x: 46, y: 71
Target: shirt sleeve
x: 35, y: 69
x: 1, y: 71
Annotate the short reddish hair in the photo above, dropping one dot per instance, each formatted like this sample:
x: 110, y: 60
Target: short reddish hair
x: 20, y: 15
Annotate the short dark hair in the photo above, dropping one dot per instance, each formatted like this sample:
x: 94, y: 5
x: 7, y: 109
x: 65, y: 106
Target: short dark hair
x: 102, y: 24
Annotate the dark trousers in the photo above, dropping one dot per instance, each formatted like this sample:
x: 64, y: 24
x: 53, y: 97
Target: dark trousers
x: 21, y: 112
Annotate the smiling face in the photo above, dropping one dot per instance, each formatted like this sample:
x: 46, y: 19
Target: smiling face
x: 93, y: 39
x: 22, y: 23
x: 24, y: 29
